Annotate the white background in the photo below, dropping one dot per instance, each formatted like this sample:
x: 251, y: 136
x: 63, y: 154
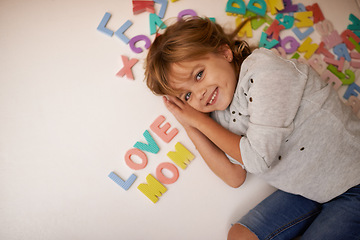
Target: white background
x: 66, y: 122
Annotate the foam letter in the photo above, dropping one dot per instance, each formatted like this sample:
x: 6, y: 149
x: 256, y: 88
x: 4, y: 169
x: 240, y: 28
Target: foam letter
x: 288, y: 21
x: 153, y: 189
x: 307, y: 47
x: 346, y: 35
x: 351, y: 91
x: 349, y: 77
x: 302, y: 35
x: 150, y: 147
x: 246, y: 29
x: 155, y: 20
x: 169, y: 166
x: 124, y: 184
x: 329, y: 77
x: 102, y: 26
x: 136, y: 39
x: 318, y: 15
x: 324, y: 51
x: 237, y: 10
x: 181, y: 156
x: 324, y: 28
x: 275, y: 29
x: 341, y: 51
x: 293, y: 44
x: 275, y: 6
x: 304, y: 19
x: 126, y: 70
x: 142, y: 6
x: 162, y: 131
x: 264, y: 42
x: 317, y: 63
x: 258, y: 10
x: 120, y: 32
x: 338, y: 63
x: 164, y: 4
x: 289, y: 7
x: 353, y: 63
x: 131, y: 163
x: 332, y: 40
x: 187, y: 12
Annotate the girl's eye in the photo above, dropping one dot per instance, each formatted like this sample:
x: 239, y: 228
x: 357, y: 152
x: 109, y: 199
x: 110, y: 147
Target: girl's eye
x: 199, y: 75
x: 187, y: 96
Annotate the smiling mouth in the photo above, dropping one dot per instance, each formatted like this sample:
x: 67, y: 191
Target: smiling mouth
x: 213, y: 97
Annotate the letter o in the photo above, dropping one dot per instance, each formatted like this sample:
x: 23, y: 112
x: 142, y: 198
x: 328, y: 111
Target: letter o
x: 131, y: 163
x: 171, y: 167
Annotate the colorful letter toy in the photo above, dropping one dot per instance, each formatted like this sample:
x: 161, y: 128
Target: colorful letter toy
x: 317, y: 13
x: 120, y: 32
x: 131, y: 163
x: 136, y: 39
x: 164, y: 4
x: 124, y: 184
x: 143, y: 6
x: 289, y: 7
x: 351, y: 91
x: 150, y: 147
x: 102, y: 26
x: 275, y: 6
x: 264, y: 42
x: 303, y: 19
x: 153, y: 189
x: 162, y: 131
x: 308, y: 47
x: 155, y: 20
x: 181, y: 156
x: 126, y: 70
x: 236, y: 6
x: 255, y: 9
x: 170, y: 167
x: 187, y: 12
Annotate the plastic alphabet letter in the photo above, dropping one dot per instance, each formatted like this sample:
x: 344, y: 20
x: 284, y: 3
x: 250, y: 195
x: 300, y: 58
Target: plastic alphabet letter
x: 324, y: 28
x: 303, y: 19
x: 317, y: 63
x: 338, y: 63
x: 355, y: 26
x: 332, y: 39
x: 288, y: 21
x: 120, y: 32
x: 349, y: 77
x: 124, y: 184
x: 143, y: 6
x: 237, y: 10
x: 346, y: 35
x: 155, y: 20
x: 274, y: 29
x: 164, y: 4
x: 353, y: 63
x: 256, y: 23
x: 126, y: 70
x: 334, y: 70
x: 293, y: 44
x: 150, y: 147
x: 341, y: 51
x: 264, y: 42
x: 330, y: 78
x: 186, y: 12
x: 181, y: 156
x: 351, y: 91
x: 246, y: 29
x: 162, y: 131
x: 255, y: 9
x: 153, y: 189
x: 289, y: 7
x: 322, y: 50
x: 136, y: 39
x: 307, y: 47
x: 169, y: 166
x: 302, y: 35
x: 275, y: 6
x: 318, y: 15
x: 131, y: 163
x: 102, y: 26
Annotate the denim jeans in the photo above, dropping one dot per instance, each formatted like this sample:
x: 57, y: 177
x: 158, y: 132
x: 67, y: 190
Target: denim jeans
x: 286, y: 216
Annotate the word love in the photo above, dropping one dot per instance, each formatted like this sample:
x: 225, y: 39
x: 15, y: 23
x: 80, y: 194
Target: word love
x: 154, y: 187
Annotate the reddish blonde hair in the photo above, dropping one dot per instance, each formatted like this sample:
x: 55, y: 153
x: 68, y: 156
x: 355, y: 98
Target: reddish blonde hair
x: 188, y: 39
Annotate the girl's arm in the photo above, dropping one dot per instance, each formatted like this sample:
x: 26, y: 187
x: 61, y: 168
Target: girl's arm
x: 211, y: 140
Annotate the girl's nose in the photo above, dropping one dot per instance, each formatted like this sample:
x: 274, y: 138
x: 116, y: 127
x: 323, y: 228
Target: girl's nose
x: 200, y: 94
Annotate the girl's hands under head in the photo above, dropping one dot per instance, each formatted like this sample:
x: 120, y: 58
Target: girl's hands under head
x: 183, y: 112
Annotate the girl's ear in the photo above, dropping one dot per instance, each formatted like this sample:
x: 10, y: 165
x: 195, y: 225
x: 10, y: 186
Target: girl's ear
x: 226, y: 51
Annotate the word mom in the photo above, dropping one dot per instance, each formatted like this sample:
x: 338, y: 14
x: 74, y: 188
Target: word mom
x: 154, y: 188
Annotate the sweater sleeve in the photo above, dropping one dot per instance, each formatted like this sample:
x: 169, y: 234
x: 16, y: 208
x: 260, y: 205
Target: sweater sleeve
x: 273, y: 87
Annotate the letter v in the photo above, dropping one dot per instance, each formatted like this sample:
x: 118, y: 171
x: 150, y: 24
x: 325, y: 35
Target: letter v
x: 150, y: 147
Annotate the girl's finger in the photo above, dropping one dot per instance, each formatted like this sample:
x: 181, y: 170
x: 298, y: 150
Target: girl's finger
x: 176, y: 101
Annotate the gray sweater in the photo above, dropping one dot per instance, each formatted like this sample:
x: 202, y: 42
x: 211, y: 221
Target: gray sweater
x: 297, y: 134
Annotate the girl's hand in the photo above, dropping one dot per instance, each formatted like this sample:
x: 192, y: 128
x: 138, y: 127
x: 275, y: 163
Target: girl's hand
x: 183, y: 112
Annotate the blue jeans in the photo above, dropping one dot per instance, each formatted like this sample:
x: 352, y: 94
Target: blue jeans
x: 285, y: 216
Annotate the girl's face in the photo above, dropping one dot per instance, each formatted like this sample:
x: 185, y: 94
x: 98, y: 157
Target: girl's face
x: 207, y: 84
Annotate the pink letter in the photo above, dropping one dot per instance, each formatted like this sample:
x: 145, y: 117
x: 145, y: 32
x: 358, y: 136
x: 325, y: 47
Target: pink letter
x: 162, y: 131
x: 131, y: 163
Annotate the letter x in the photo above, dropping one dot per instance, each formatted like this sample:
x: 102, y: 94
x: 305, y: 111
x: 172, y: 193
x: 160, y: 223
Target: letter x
x: 128, y: 64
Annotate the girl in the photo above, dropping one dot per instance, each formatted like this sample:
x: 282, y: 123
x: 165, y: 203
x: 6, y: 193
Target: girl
x: 269, y: 116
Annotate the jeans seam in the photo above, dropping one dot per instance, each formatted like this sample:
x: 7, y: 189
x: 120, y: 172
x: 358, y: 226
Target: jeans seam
x: 290, y: 224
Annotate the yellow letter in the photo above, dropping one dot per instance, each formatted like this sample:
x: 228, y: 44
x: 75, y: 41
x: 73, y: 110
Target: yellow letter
x: 307, y: 47
x: 153, y: 189
x: 181, y: 156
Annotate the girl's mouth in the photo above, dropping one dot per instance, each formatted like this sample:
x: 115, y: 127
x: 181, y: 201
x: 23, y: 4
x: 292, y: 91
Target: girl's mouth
x: 212, y: 99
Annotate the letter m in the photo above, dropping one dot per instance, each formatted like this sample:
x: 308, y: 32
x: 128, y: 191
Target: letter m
x: 181, y: 156
x: 153, y: 189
